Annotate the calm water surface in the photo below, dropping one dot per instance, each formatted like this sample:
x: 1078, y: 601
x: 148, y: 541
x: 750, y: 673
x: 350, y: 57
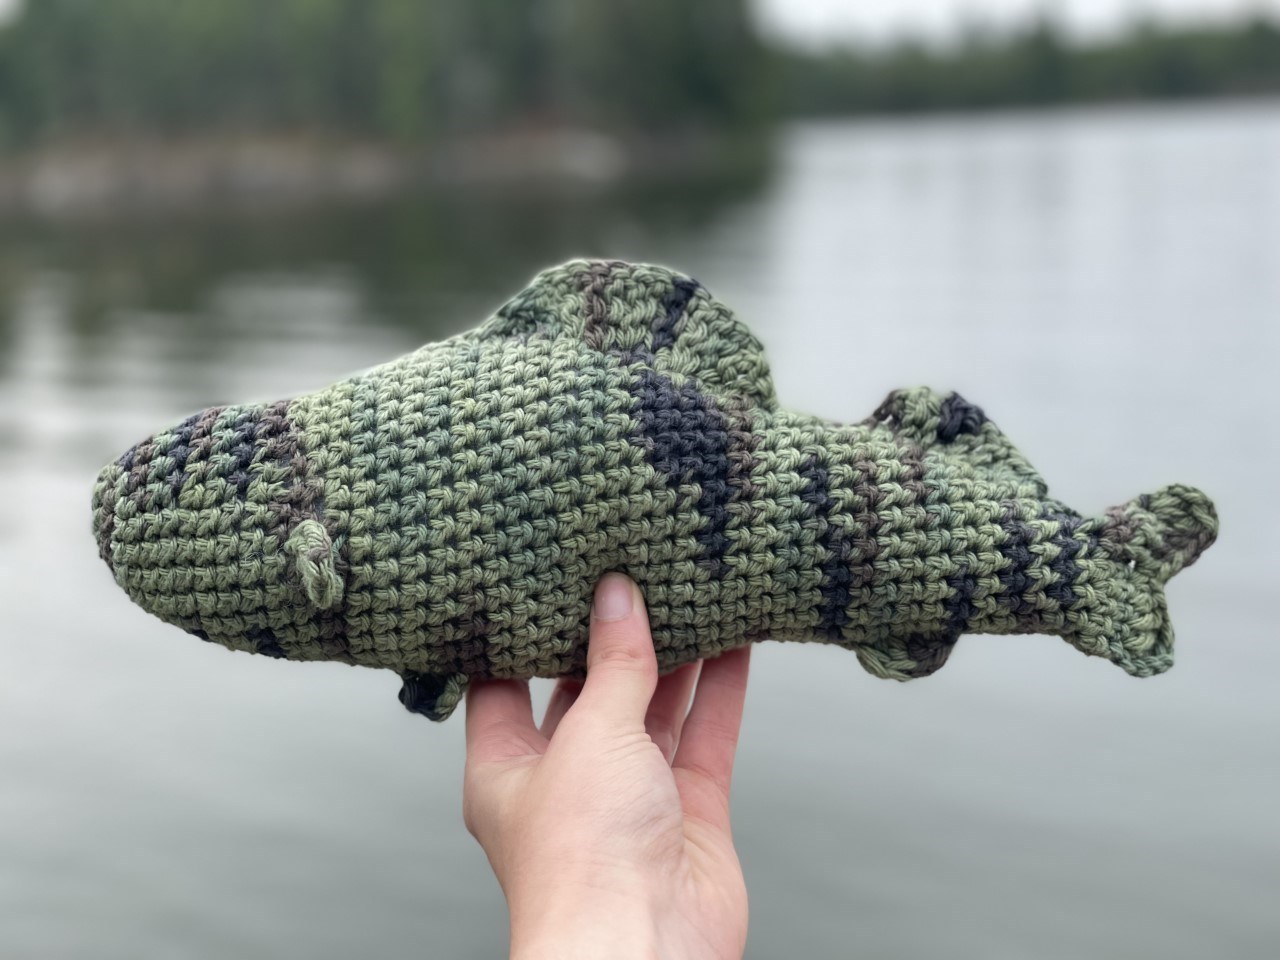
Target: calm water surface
x: 1105, y: 284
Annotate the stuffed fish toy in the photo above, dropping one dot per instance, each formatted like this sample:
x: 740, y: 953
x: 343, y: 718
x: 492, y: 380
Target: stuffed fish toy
x: 447, y: 515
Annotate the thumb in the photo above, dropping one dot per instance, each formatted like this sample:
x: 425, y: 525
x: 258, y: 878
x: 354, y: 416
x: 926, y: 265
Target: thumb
x: 622, y: 670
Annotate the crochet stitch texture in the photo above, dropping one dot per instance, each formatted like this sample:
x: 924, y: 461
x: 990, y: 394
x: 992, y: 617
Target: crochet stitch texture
x: 446, y: 515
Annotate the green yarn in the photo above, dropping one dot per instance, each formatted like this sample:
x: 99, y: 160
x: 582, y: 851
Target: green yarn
x: 316, y: 563
x: 446, y: 515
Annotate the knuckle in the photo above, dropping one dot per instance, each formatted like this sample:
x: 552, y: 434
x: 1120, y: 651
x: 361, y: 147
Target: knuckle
x: 628, y: 649
x: 469, y: 818
x: 621, y: 654
x: 473, y: 814
x: 711, y: 774
x: 719, y: 734
x: 471, y: 801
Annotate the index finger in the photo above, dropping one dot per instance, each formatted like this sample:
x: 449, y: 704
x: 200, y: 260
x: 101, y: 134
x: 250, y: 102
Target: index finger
x: 710, y: 736
x: 500, y: 721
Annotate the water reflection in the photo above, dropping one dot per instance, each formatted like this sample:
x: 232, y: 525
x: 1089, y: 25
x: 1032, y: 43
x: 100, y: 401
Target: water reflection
x: 162, y: 315
x: 407, y: 252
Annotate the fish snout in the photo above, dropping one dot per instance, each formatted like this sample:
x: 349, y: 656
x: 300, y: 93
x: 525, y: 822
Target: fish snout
x: 149, y: 478
x: 197, y: 524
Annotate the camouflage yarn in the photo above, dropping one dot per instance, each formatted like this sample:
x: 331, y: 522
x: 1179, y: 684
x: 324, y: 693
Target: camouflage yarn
x: 446, y: 515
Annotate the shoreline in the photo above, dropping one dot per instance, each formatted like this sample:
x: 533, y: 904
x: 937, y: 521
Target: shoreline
x: 91, y: 177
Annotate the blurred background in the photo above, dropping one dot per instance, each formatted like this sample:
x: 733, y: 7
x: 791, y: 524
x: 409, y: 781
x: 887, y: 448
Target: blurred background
x: 1070, y: 212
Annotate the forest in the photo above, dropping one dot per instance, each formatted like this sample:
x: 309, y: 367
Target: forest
x: 413, y: 72
x: 1035, y: 65
x: 399, y: 69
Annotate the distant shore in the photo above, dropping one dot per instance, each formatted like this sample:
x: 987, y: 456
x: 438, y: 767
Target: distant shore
x: 114, y: 175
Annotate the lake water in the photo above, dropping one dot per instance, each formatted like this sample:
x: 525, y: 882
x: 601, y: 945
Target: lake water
x: 1105, y: 283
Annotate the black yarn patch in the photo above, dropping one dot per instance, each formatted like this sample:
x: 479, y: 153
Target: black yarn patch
x: 1065, y: 564
x: 239, y: 448
x: 837, y: 575
x: 420, y: 691
x: 1014, y: 580
x: 275, y: 434
x: 136, y: 463
x: 180, y: 451
x: 686, y: 438
x: 1020, y: 537
x: 256, y: 434
x: 138, y: 455
x: 673, y: 307
x: 266, y: 643
x: 138, y: 460
x: 958, y: 416
x: 929, y: 652
x: 959, y: 605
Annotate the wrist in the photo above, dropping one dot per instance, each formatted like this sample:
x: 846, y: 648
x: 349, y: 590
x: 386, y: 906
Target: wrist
x: 583, y: 920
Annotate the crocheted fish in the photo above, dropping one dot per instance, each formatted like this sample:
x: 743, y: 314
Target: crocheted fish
x: 447, y: 515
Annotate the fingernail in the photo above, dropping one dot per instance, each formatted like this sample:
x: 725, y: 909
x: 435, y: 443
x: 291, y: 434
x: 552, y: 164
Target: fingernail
x: 615, y: 597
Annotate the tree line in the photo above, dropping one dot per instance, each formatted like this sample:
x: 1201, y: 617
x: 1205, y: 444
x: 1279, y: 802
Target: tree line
x: 414, y: 71
x: 1036, y: 65
x: 403, y: 69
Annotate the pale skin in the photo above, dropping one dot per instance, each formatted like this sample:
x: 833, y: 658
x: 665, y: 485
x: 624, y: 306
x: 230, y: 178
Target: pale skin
x: 608, y: 825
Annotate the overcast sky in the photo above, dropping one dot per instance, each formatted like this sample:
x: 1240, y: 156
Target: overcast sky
x: 819, y: 20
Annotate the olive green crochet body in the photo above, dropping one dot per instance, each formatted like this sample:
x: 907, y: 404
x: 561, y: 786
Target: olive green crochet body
x: 446, y: 515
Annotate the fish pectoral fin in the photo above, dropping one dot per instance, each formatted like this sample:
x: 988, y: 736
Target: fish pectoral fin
x: 315, y: 564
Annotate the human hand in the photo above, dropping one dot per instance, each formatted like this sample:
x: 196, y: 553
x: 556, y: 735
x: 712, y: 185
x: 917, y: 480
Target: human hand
x: 608, y: 827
